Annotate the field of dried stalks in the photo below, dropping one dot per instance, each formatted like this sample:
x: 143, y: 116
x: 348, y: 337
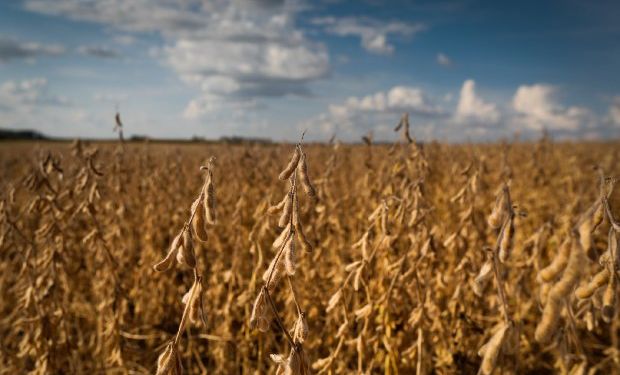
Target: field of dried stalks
x: 436, y: 259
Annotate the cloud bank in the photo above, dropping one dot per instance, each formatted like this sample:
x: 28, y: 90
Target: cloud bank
x: 232, y: 52
x: 531, y: 109
x: 234, y: 57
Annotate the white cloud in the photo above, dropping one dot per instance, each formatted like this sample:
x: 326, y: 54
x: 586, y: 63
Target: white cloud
x: 379, y: 111
x: 444, y: 60
x: 33, y: 104
x: 11, y: 49
x: 267, y: 69
x: 27, y: 94
x: 170, y: 17
x: 397, y: 99
x: 235, y: 51
x: 537, y: 108
x: 473, y: 109
x: 373, y: 33
x: 28, y: 104
x: 614, y: 111
x: 532, y: 108
x: 207, y: 104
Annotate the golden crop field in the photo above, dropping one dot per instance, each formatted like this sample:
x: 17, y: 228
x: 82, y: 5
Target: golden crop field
x: 394, y: 259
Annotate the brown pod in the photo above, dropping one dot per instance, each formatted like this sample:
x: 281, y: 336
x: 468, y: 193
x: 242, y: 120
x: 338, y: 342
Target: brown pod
x: 589, y: 318
x: 188, y: 249
x: 492, y: 350
x: 209, y: 202
x: 166, y: 263
x: 406, y: 136
x: 301, y: 329
x: 586, y: 291
x: 258, y: 309
x: 305, y: 179
x: 507, y: 240
x: 290, y: 168
x: 585, y: 231
x: 384, y: 221
x: 199, y: 223
x: 333, y: 300
x: 550, y: 319
x: 273, y: 274
x: 301, y: 237
x: 613, y: 243
x: 290, y: 256
x: 195, y: 304
x: 180, y: 255
x: 495, y: 220
x: 597, y: 215
x: 485, y: 273
x: 299, y: 230
x: 366, y: 245
x: 261, y: 315
x: 272, y: 210
x: 400, y: 124
x: 286, y: 211
x: 279, y: 241
x: 609, y: 300
x: 169, y: 362
x: 558, y: 264
x: 293, y: 363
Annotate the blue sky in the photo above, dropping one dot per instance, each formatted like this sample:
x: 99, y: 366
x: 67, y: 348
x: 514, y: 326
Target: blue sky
x: 463, y: 70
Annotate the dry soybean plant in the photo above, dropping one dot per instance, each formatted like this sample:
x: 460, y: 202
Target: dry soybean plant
x: 567, y: 269
x: 609, y: 261
x: 505, y: 341
x: 284, y: 265
x: 404, y: 125
x: 118, y: 126
x: 202, y: 212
